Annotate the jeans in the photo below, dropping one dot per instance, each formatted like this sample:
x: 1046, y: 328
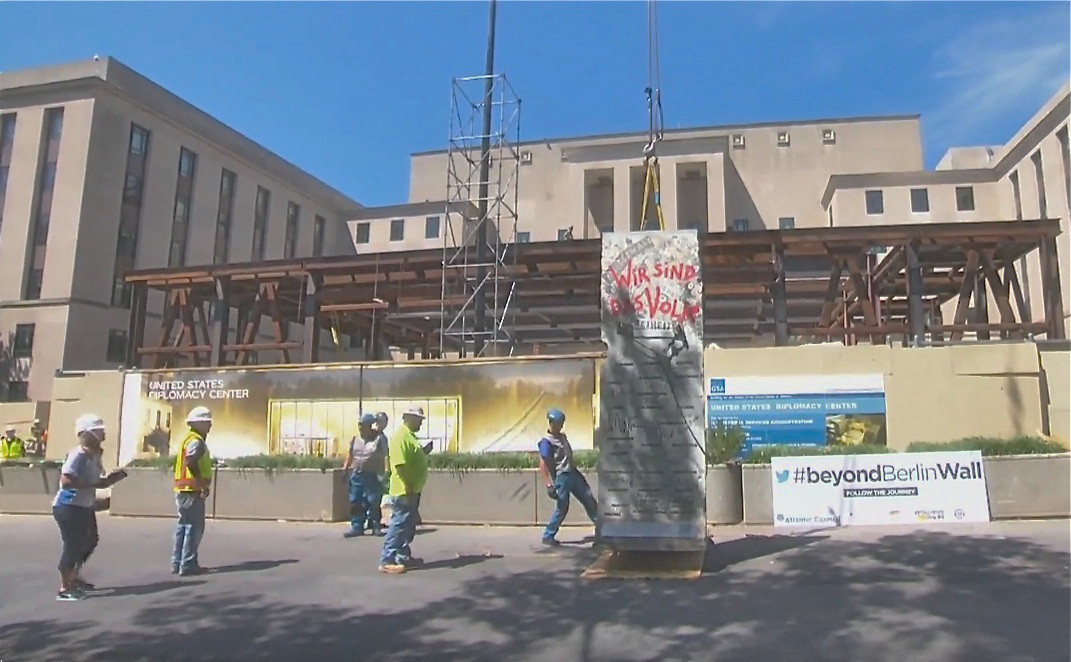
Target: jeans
x: 566, y: 483
x: 191, y: 526
x: 366, y: 492
x: 78, y: 531
x: 401, y: 530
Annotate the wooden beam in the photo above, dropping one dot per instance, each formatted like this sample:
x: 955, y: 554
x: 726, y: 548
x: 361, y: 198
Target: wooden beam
x: 966, y: 290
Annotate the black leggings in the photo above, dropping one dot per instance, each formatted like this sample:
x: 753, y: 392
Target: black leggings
x: 78, y: 530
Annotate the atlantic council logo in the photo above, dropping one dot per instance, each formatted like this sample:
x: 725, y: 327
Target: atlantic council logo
x: 782, y: 476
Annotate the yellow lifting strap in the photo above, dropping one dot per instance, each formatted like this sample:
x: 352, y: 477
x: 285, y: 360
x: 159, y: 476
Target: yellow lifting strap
x: 652, y: 189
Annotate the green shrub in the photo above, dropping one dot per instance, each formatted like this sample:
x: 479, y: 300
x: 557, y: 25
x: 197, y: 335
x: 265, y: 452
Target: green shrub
x: 163, y: 462
x: 991, y: 447
x: 764, y: 455
x: 34, y: 462
x: 462, y: 462
x: 723, y: 443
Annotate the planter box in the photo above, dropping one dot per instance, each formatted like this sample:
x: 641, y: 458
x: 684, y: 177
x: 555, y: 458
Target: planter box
x: 757, y: 489
x: 576, y: 516
x: 28, y: 490
x: 725, y: 499
x: 146, y: 493
x: 481, y: 496
x: 1028, y: 486
x: 301, y: 494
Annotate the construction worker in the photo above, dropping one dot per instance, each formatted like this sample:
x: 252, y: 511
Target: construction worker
x: 408, y: 473
x: 193, y: 478
x: 562, y: 478
x: 74, y: 505
x: 364, y: 465
x: 35, y: 445
x: 11, y: 447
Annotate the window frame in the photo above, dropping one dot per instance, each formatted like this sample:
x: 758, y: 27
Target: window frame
x: 969, y: 190
x: 925, y: 198
x: 880, y: 206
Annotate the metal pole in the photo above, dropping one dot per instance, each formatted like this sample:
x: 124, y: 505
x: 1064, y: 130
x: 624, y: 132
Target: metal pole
x: 482, y: 231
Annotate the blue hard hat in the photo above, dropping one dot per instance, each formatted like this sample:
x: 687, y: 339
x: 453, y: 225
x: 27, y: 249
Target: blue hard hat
x: 555, y: 415
x: 368, y: 419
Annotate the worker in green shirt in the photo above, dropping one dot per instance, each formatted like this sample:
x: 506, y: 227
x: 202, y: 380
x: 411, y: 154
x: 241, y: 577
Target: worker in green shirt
x: 408, y: 465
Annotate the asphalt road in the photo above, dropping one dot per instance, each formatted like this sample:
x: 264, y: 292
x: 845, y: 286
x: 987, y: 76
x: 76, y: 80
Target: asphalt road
x: 286, y: 591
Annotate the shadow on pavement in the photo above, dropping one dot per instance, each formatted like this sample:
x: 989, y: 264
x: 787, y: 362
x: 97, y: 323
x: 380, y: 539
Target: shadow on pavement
x: 461, y: 561
x: 721, y: 555
x: 143, y: 589
x: 249, y: 566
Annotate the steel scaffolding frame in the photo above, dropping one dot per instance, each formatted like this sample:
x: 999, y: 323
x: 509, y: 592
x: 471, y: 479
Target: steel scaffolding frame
x: 483, y: 168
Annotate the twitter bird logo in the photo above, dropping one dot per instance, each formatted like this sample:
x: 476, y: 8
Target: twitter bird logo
x: 782, y: 476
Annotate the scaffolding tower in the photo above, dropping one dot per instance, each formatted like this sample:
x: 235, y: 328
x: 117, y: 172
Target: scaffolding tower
x: 483, y: 167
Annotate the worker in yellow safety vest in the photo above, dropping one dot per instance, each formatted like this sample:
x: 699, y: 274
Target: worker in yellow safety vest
x: 193, y: 477
x: 11, y: 447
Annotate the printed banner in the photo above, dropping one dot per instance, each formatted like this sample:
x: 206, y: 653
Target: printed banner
x: 835, y: 410
x: 478, y: 406
x: 902, y: 488
x: 651, y: 461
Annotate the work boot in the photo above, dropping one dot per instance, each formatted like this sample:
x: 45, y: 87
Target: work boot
x: 353, y: 533
x: 551, y: 542
x: 392, y: 568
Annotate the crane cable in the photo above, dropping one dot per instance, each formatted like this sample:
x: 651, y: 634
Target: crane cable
x: 652, y: 189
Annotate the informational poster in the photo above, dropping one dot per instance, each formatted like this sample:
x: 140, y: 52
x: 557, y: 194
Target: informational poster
x: 903, y: 488
x: 834, y: 410
x: 471, y: 406
x: 651, y: 419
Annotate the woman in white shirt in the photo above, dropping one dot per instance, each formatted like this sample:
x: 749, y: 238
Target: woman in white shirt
x: 74, y: 505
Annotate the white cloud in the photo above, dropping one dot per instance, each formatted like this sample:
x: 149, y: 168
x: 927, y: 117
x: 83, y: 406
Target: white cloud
x: 998, y: 70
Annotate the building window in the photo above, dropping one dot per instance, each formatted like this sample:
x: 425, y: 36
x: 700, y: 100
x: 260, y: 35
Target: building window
x: 180, y: 222
x: 18, y: 391
x: 431, y: 227
x: 783, y: 139
x: 260, y: 223
x: 964, y: 198
x: 293, y: 215
x: 738, y: 141
x: 739, y: 225
x: 228, y: 181
x: 786, y: 222
x: 397, y: 229
x: 920, y: 200
x: 116, y: 346
x: 563, y: 234
x: 42, y: 214
x: 1039, y: 177
x: 524, y: 237
x: 7, y: 141
x: 126, y: 245
x: 875, y: 202
x: 22, y: 345
x: 319, y: 227
x: 363, y: 232
x: 829, y: 136
x: 1061, y: 135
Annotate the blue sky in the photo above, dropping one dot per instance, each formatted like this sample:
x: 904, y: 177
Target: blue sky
x: 347, y: 90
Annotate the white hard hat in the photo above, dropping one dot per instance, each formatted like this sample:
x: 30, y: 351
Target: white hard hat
x: 199, y: 415
x: 88, y: 422
x: 416, y: 412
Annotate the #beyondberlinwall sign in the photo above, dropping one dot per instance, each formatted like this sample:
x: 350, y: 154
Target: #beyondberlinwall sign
x: 651, y: 414
x: 905, y: 488
x: 834, y: 410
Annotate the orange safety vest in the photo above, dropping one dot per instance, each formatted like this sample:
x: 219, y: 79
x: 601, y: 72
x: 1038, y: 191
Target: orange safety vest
x: 184, y: 479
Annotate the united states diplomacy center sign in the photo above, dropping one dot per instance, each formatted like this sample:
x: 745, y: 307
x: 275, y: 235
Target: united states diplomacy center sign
x: 900, y: 488
x: 651, y: 414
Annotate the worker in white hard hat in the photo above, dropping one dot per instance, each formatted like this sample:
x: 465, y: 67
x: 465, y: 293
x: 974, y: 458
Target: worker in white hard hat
x: 35, y: 444
x: 11, y: 447
x: 74, y: 505
x: 408, y: 474
x: 193, y: 478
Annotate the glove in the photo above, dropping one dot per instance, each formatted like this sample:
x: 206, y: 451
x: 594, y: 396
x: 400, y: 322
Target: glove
x: 552, y: 492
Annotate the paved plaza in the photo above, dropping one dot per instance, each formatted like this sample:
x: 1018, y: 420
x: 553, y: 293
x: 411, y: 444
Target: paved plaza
x: 290, y: 591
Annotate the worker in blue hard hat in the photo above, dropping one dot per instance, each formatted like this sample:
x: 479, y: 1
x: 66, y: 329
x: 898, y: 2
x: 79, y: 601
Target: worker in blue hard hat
x: 561, y: 477
x: 365, y: 462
